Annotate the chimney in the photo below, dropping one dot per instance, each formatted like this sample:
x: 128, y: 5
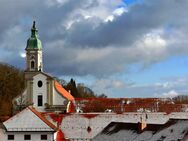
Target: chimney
x: 141, y: 125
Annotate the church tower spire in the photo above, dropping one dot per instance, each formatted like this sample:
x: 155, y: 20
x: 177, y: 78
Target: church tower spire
x: 34, y: 30
x: 34, y: 51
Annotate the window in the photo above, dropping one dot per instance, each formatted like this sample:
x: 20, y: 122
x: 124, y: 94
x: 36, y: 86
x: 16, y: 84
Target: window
x: 10, y: 137
x: 39, y: 100
x: 43, y: 137
x: 39, y: 83
x: 32, y: 64
x: 27, y: 137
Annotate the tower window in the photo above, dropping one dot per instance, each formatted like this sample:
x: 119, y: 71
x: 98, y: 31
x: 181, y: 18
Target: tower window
x: 40, y: 83
x: 32, y: 64
x: 39, y: 100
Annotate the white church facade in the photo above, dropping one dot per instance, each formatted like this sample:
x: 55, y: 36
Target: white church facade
x: 42, y: 91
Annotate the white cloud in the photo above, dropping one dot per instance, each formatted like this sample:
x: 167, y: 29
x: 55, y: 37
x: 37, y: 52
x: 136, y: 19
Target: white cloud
x: 119, y: 11
x: 56, y: 2
x: 107, y: 85
x: 93, y: 54
x: 152, y: 43
x: 109, y: 18
x: 170, y: 94
x: 165, y: 85
x: 22, y: 54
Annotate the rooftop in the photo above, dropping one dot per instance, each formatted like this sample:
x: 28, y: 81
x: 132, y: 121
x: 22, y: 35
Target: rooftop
x: 172, y: 130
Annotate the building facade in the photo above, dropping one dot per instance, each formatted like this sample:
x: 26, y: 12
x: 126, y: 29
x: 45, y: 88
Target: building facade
x: 29, y: 124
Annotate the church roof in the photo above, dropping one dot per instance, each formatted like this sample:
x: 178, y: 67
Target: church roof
x: 34, y: 42
x: 29, y: 120
x: 63, y: 92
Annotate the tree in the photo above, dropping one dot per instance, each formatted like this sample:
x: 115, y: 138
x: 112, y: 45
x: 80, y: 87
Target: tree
x: 11, y: 85
x: 102, y: 96
x: 80, y: 90
x: 84, y: 91
x: 71, y: 86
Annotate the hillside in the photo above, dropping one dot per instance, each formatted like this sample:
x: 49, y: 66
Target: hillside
x: 11, y: 84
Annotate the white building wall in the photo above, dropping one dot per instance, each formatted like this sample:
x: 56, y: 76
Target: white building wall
x: 2, y: 135
x: 39, y: 91
x: 40, y: 64
x: 35, y: 136
x: 58, y: 99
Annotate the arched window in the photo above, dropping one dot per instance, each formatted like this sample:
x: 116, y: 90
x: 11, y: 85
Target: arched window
x: 32, y: 64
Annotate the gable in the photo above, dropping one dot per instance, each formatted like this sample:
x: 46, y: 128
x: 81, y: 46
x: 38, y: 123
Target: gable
x: 40, y: 76
x: 63, y: 92
x: 28, y: 120
x: 43, y: 74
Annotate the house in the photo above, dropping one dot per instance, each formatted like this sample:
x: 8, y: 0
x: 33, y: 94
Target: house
x: 42, y: 91
x: 29, y: 124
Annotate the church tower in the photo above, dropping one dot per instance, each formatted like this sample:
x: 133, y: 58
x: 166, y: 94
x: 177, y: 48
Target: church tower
x: 34, y: 63
x: 34, y: 52
x: 42, y: 91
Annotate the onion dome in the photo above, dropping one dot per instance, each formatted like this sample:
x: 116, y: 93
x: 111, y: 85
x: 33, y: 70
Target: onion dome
x: 34, y: 43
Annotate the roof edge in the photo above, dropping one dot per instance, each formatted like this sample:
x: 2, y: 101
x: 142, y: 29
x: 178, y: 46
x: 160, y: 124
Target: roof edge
x: 59, y: 89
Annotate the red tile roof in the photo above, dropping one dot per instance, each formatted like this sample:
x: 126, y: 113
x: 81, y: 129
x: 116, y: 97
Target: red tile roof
x: 119, y: 105
x: 60, y: 136
x: 63, y: 92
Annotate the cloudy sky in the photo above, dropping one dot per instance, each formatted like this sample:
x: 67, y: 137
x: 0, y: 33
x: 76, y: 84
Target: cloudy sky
x: 123, y: 48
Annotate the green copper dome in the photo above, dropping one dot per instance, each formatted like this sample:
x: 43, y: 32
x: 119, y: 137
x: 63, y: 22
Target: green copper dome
x: 34, y: 42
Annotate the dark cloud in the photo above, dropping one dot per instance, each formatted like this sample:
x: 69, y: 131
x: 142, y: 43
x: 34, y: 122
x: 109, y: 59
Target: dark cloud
x: 90, y: 45
x: 130, y: 26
